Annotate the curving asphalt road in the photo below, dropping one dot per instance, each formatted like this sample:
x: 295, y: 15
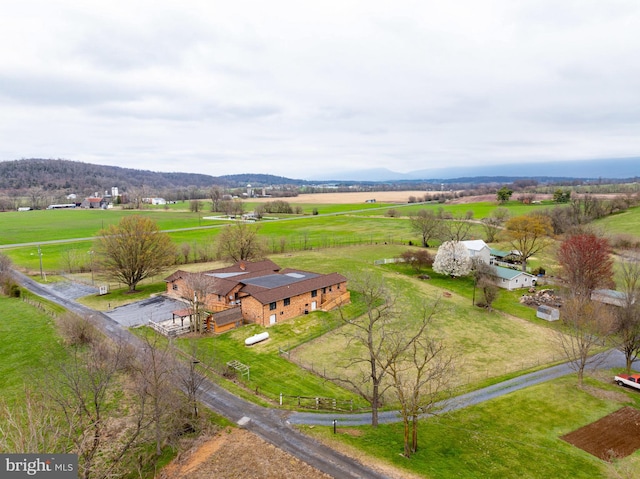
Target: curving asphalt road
x: 275, y: 425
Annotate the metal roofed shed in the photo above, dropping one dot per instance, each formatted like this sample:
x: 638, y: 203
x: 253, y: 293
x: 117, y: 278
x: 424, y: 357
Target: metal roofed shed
x: 609, y: 296
x: 548, y: 313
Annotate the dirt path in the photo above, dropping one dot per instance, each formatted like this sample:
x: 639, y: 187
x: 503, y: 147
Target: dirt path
x: 239, y: 453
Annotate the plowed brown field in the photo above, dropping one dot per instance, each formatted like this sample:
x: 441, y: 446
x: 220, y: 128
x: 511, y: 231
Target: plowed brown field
x: 350, y: 198
x: 613, y: 437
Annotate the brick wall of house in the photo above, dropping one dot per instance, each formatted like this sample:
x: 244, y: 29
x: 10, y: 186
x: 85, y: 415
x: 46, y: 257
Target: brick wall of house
x: 213, y: 302
x: 331, y: 294
x: 255, y: 312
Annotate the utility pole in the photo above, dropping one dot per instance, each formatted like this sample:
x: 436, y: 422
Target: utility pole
x: 91, y: 253
x: 40, y: 256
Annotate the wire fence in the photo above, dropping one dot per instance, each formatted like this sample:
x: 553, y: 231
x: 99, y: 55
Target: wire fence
x: 321, y: 403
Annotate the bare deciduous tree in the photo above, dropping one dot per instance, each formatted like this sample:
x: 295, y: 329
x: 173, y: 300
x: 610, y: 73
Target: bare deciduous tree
x: 77, y: 330
x: 192, y: 383
x: 455, y: 229
x: 484, y: 278
x: 30, y: 427
x: 628, y: 314
x: 586, y: 326
x: 215, y: 193
x: 368, y: 336
x: 154, y: 379
x: 381, y: 344
x: 493, y: 224
x: 8, y: 285
x: 72, y: 260
x: 420, y: 373
x: 83, y: 393
x: 241, y: 242
x: 417, y: 258
x: 197, y: 287
x: 426, y: 224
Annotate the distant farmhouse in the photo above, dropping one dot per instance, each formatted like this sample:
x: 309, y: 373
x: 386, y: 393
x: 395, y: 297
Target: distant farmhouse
x: 97, y: 201
x: 506, y: 278
x: 257, y: 292
x: 154, y: 201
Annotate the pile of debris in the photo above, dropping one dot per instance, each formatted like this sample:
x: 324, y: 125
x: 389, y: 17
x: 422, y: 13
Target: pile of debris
x: 544, y: 296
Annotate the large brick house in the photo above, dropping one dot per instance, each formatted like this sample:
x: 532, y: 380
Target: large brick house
x: 264, y: 293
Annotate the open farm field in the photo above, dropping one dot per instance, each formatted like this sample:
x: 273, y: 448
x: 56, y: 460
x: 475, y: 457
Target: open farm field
x: 626, y: 222
x: 351, y: 197
x: 47, y: 225
x: 480, y: 209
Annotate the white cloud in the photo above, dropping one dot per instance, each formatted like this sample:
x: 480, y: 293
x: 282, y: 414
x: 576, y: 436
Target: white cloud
x: 296, y: 89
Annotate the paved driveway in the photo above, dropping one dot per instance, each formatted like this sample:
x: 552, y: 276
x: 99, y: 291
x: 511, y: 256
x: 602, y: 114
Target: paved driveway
x: 158, y: 308
x: 71, y: 290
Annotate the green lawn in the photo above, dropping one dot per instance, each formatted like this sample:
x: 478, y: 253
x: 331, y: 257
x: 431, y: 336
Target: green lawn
x: 270, y: 372
x: 480, y: 209
x: 515, y: 436
x: 28, y: 344
x: 46, y: 225
x: 627, y: 222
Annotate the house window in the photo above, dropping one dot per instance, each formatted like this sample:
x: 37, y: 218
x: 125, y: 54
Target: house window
x: 314, y: 293
x: 272, y: 306
x: 174, y: 286
x: 338, y: 286
x: 324, y: 290
x: 287, y: 301
x: 219, y: 298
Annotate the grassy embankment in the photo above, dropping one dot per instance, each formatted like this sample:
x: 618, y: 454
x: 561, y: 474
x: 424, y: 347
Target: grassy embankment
x: 29, y: 345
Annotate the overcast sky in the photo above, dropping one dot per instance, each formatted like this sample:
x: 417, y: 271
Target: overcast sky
x: 298, y: 88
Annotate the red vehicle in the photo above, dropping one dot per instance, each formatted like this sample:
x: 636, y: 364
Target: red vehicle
x: 631, y: 380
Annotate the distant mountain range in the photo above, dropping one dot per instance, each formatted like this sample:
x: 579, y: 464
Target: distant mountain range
x: 613, y: 168
x: 86, y: 178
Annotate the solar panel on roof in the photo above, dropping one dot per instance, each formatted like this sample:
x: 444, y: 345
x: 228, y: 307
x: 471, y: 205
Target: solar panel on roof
x: 276, y: 280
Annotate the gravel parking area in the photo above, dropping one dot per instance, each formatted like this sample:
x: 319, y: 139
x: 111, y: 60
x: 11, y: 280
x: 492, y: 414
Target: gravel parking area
x: 158, y: 308
x: 71, y: 290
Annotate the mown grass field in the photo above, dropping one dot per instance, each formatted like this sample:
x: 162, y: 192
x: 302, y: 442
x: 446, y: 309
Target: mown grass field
x: 47, y: 225
x: 515, y: 436
x: 28, y: 344
x: 627, y: 222
x: 486, y: 340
